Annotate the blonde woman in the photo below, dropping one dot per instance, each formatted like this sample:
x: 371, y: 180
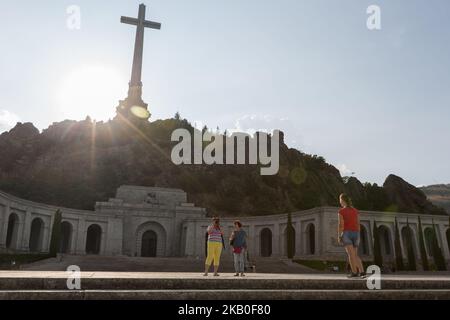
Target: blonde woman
x: 214, y: 245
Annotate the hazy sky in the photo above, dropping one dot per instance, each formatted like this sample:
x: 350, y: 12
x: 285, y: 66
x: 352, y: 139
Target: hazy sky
x: 372, y: 102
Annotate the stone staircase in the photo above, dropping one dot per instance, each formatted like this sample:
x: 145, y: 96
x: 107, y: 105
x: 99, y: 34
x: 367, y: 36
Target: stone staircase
x: 139, y: 264
x: 182, y: 279
x: 40, y: 285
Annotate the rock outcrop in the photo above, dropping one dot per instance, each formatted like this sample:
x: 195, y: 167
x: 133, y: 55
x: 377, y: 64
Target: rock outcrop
x: 408, y: 198
x: 75, y: 163
x: 439, y: 195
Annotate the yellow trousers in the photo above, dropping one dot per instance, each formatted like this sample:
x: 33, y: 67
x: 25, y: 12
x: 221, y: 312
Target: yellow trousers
x: 214, y: 252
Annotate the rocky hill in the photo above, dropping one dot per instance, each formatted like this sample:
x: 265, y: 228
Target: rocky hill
x: 439, y: 194
x: 75, y: 163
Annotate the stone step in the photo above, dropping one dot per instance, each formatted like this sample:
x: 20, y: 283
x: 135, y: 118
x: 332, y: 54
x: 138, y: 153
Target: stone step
x: 20, y: 280
x: 139, y: 264
x: 242, y: 294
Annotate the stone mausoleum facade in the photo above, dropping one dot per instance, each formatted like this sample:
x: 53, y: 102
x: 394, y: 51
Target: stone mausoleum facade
x: 159, y: 222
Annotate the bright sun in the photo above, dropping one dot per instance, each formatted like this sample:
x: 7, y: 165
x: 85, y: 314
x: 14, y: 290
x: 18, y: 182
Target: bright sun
x: 93, y: 91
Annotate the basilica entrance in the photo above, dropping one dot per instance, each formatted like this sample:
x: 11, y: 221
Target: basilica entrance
x: 149, y: 244
x: 151, y: 238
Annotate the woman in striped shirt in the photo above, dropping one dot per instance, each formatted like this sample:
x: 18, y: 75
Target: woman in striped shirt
x: 214, y: 245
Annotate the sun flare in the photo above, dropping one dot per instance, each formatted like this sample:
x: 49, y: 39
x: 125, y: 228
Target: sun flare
x: 91, y: 91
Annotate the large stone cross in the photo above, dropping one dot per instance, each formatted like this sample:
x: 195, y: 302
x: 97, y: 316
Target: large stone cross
x: 133, y: 105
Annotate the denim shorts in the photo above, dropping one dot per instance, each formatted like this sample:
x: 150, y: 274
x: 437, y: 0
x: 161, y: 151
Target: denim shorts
x: 350, y: 238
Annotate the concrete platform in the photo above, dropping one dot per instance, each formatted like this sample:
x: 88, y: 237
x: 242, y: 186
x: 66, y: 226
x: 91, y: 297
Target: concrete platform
x: 41, y: 285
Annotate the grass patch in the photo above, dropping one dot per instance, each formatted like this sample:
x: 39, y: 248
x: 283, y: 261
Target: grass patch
x: 14, y: 261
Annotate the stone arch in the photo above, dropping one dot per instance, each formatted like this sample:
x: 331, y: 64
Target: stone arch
x: 266, y: 242
x: 448, y: 239
x: 183, y: 241
x: 149, y: 244
x: 93, y: 239
x: 36, y: 235
x: 386, y: 243
x: 310, y: 239
x: 363, y: 248
x: 66, y: 237
x: 429, y: 238
x: 285, y: 243
x: 408, y: 239
x: 151, y: 234
x: 11, y: 233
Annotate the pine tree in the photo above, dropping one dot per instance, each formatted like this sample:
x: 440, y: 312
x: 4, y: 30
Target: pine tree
x: 377, y: 256
x: 398, y: 249
x: 290, y: 239
x: 438, y: 257
x: 56, y: 234
x: 423, y: 252
x: 177, y: 116
x: 409, y: 248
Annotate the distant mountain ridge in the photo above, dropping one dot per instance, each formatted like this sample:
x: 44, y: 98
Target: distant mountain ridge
x: 439, y: 194
x: 76, y: 163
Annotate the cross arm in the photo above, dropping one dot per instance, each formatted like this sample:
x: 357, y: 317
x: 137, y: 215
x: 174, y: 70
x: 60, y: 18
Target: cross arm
x: 135, y: 22
x: 129, y: 20
x: 151, y: 24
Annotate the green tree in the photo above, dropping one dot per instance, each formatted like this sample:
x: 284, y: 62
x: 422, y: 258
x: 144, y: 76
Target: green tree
x: 290, y: 238
x: 377, y: 256
x: 423, y: 252
x: 409, y: 248
x: 177, y: 116
x: 438, y: 257
x: 398, y: 249
x: 55, y: 239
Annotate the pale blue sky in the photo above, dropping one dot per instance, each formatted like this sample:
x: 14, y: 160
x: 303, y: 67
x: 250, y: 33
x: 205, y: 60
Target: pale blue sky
x: 374, y: 101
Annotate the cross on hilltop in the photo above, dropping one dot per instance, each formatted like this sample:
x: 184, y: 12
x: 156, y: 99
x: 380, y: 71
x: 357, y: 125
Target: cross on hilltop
x: 133, y: 106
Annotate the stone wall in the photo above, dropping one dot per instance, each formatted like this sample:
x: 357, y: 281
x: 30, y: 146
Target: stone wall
x: 177, y: 228
x: 316, y: 234
x: 332, y: 250
x: 20, y: 216
x: 259, y: 229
